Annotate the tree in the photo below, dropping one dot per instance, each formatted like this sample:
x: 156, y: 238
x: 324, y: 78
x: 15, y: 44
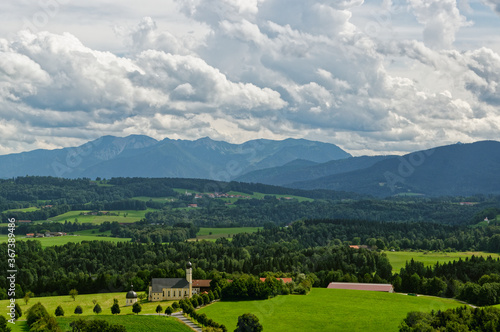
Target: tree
x: 36, y: 312
x: 248, y: 323
x: 73, y: 293
x: 17, y: 311
x: 159, y: 309
x: 136, y: 308
x: 38, y: 319
x: 175, y: 305
x: 169, y: 310
x: 115, y: 308
x: 97, y: 309
x: 3, y: 324
x: 142, y: 296
x: 59, y: 311
x: 78, y: 310
x: 27, y: 296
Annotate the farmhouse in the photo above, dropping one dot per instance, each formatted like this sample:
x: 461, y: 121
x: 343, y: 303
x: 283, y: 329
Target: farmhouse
x: 361, y: 286
x: 162, y: 289
x: 201, y: 285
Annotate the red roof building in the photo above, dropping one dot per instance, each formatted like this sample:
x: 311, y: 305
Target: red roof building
x: 361, y: 286
x: 201, y: 285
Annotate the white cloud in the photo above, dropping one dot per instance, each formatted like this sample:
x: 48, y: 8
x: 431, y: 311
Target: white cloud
x: 441, y: 20
x: 347, y: 72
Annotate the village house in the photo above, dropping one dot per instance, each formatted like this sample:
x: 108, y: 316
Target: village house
x: 201, y: 286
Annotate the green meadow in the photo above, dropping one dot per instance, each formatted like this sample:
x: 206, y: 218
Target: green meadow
x: 61, y: 240
x: 328, y: 310
x: 136, y: 323
x: 127, y: 216
x: 29, y: 209
x: 398, y: 259
x: 133, y: 323
x: 105, y: 300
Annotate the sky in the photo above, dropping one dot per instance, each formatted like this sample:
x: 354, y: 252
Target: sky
x: 373, y: 77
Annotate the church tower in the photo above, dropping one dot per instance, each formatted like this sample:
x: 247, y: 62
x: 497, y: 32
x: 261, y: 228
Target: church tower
x: 189, y: 277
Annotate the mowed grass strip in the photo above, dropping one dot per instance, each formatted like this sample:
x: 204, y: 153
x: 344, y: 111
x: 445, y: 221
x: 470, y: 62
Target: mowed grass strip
x: 398, y: 259
x: 328, y: 310
x: 62, y: 240
x: 133, y: 323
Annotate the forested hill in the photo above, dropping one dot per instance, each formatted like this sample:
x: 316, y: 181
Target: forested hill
x: 453, y: 170
x: 171, y: 201
x: 143, y: 156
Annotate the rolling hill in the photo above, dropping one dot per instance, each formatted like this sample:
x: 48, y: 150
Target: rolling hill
x: 455, y: 170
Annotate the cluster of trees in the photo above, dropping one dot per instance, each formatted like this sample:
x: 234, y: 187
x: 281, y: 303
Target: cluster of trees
x: 146, y: 233
x: 97, y: 266
x: 458, y: 319
x: 256, y: 212
x: 38, y: 319
x: 67, y: 227
x: 475, y: 280
x: 247, y: 287
x: 380, y: 235
x: 92, y: 325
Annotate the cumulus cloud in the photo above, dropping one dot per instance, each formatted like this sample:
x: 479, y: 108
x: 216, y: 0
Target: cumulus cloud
x: 441, y: 20
x: 260, y: 68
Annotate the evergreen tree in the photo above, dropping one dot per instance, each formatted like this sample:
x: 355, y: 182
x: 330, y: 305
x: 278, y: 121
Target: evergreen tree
x: 59, y: 311
x: 97, y: 308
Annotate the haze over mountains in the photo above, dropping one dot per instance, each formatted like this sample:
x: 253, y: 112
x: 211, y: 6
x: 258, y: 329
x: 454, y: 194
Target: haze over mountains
x: 142, y: 156
x: 459, y: 169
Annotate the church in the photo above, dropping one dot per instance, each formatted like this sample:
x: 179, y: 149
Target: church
x: 162, y: 289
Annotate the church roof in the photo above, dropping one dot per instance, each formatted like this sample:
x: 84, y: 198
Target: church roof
x: 131, y: 295
x: 159, y: 283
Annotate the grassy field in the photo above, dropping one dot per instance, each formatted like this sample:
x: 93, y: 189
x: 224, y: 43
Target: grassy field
x: 136, y: 323
x: 216, y: 233
x: 127, y: 216
x: 398, y: 259
x: 328, y: 310
x: 105, y: 300
x: 29, y: 209
x: 61, y: 240
x: 133, y: 323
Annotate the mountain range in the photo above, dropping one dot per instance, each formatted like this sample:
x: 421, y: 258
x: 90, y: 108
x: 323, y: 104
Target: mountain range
x: 454, y: 170
x: 143, y: 156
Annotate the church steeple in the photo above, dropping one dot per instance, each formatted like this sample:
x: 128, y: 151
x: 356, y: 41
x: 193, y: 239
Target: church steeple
x: 189, y: 277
